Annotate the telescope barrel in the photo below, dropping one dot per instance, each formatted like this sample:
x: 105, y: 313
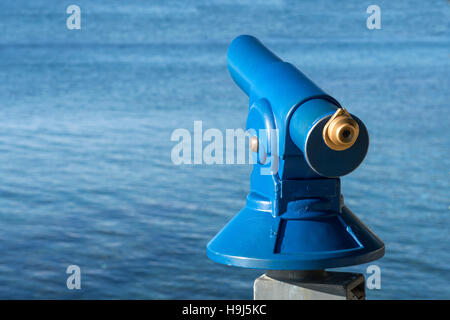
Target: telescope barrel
x: 246, y: 57
x: 262, y: 74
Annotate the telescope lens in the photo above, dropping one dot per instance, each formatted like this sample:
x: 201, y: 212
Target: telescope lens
x: 346, y: 134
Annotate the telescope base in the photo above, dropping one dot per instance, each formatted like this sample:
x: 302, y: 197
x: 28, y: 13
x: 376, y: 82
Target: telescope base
x: 309, y: 285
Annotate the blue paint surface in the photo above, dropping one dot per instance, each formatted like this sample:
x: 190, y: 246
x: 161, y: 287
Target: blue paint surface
x: 86, y: 118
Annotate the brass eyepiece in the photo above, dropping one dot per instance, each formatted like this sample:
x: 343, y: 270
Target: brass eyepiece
x: 341, y: 131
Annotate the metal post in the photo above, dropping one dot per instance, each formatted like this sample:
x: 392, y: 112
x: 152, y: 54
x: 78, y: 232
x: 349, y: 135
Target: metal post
x: 309, y: 285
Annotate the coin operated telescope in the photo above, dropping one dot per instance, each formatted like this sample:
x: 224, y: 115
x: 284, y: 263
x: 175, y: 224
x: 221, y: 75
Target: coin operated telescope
x: 302, y: 140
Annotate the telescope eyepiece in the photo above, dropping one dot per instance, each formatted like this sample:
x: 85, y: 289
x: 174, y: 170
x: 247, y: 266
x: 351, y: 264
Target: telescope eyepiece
x: 341, y: 131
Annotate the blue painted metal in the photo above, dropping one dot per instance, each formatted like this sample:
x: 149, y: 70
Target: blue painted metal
x: 294, y: 217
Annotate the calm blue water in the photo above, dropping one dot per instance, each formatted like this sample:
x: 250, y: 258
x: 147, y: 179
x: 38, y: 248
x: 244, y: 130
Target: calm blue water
x: 86, y: 118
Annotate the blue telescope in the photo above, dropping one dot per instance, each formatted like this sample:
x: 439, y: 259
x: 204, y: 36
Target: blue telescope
x: 302, y: 141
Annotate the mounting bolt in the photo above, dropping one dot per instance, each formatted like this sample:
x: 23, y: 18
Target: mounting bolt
x: 254, y: 144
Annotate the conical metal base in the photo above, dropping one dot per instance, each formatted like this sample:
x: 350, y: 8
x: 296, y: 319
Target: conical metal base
x: 256, y: 239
